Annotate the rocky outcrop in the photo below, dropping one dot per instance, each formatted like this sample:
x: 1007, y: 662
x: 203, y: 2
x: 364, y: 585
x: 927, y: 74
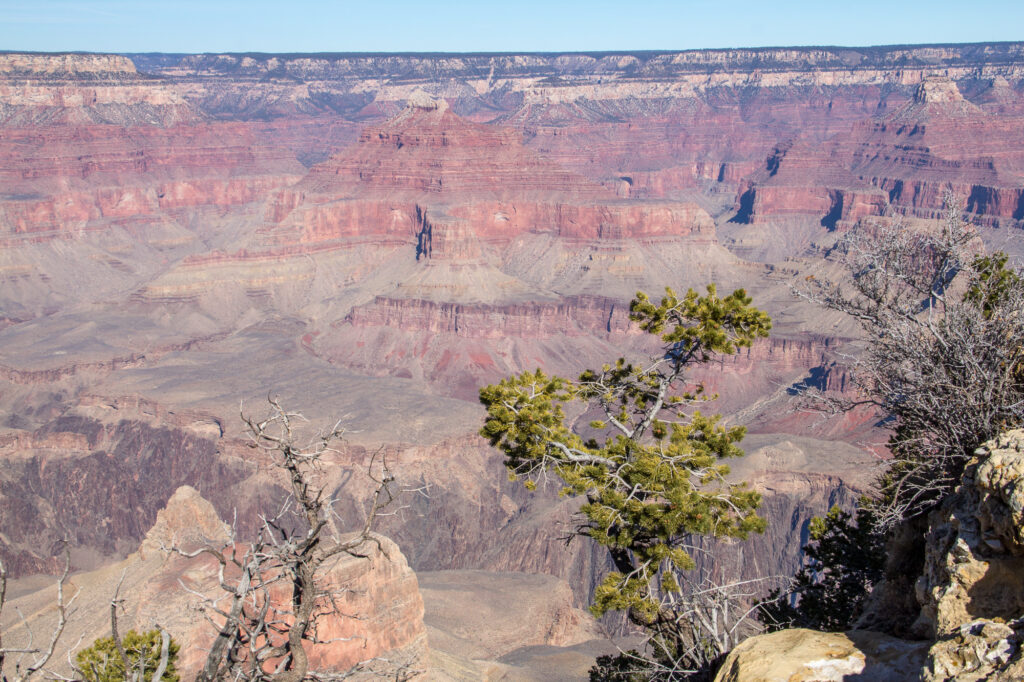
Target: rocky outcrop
x: 188, y: 522
x: 971, y: 590
x: 379, y: 611
x: 970, y: 601
x: 972, y: 555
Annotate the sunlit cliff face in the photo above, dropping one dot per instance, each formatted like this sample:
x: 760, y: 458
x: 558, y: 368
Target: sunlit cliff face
x: 374, y: 238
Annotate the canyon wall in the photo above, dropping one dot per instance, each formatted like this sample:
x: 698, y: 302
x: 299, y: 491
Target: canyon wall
x: 375, y: 619
x: 373, y: 237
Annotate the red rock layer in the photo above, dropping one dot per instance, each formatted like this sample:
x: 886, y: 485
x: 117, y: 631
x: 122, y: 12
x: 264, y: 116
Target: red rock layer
x: 88, y: 177
x: 430, y: 176
x: 709, y: 142
x: 443, y: 230
x: 459, y: 347
x: 428, y: 150
x: 908, y: 159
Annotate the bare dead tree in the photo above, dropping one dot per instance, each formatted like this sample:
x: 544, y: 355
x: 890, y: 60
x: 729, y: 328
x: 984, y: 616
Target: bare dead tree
x: 274, y: 595
x: 704, y: 622
x: 712, y: 617
x: 30, y: 659
x: 698, y: 625
x: 943, y: 356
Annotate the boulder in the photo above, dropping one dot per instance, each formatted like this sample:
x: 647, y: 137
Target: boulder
x: 974, y: 557
x: 800, y: 655
x: 979, y: 650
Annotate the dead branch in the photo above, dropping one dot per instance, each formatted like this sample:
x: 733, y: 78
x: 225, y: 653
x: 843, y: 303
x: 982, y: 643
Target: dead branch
x: 38, y: 657
x: 262, y: 636
x: 943, y: 356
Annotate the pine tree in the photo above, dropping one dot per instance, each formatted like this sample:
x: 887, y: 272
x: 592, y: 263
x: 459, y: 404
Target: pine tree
x: 658, y: 476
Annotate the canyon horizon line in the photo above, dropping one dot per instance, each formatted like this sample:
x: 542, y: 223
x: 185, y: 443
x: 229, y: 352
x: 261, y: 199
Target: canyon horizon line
x: 544, y: 53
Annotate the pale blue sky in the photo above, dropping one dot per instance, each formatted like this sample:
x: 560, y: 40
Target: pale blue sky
x: 493, y: 26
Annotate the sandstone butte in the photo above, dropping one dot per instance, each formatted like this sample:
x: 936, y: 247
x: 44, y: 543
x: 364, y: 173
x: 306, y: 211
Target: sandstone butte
x: 381, y: 588
x: 374, y: 237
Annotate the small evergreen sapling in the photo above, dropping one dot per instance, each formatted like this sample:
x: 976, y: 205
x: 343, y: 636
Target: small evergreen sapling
x: 102, y: 662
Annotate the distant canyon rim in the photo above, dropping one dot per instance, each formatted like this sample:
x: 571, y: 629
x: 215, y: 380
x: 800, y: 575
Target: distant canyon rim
x: 373, y: 237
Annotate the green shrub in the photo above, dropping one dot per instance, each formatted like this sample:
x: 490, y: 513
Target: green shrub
x: 844, y: 559
x: 102, y: 663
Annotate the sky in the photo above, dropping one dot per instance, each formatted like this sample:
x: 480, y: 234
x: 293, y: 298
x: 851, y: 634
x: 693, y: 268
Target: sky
x: 493, y: 25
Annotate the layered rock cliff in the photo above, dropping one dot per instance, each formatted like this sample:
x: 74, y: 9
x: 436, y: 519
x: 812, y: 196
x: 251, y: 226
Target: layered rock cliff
x: 461, y: 180
x: 967, y: 615
x: 905, y: 160
x: 687, y: 100
x: 373, y: 237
